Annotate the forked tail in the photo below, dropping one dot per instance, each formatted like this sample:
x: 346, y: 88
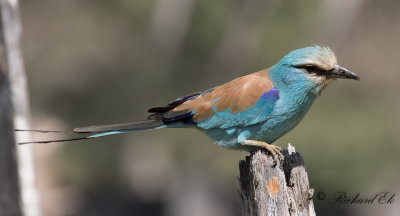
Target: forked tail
x: 99, y: 130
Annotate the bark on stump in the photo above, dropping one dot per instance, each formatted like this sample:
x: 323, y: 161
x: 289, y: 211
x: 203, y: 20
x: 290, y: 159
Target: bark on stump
x: 275, y: 189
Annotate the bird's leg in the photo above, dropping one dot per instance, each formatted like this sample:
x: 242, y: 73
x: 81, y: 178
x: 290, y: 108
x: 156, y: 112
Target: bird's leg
x: 275, y: 150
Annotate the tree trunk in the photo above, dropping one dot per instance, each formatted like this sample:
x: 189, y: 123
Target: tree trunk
x: 18, y: 194
x: 275, y: 189
x: 9, y: 183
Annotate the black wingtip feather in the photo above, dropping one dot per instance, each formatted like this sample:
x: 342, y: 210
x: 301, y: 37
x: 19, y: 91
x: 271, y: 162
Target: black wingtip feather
x: 173, y: 104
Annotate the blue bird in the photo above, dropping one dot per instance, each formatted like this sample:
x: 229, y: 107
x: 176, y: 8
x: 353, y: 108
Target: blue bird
x: 249, y: 112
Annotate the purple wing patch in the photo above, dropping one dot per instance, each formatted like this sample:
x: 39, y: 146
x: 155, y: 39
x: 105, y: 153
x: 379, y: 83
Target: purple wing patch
x: 271, y: 94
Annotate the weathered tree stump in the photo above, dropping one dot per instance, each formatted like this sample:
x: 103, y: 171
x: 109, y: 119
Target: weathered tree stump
x: 275, y: 189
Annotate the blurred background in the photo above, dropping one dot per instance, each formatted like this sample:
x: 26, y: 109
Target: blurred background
x: 102, y: 61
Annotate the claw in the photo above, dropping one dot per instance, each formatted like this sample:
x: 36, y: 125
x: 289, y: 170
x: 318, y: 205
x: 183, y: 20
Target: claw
x: 275, y: 150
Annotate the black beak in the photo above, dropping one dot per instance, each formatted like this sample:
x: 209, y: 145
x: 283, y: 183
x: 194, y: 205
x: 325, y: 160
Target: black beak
x: 341, y: 72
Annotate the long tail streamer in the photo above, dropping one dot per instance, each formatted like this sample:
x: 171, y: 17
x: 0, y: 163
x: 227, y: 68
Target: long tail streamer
x: 53, y: 131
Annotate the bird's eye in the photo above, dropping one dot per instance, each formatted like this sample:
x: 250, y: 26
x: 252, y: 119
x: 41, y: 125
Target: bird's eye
x: 310, y: 68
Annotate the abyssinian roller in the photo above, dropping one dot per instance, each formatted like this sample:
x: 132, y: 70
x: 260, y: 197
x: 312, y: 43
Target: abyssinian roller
x: 246, y: 113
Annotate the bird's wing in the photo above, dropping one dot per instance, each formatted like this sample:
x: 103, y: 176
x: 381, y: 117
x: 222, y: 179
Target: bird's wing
x: 244, y: 101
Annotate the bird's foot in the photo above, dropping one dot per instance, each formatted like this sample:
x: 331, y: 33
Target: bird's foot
x: 275, y: 150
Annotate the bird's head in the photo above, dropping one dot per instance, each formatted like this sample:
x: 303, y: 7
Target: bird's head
x: 315, y: 64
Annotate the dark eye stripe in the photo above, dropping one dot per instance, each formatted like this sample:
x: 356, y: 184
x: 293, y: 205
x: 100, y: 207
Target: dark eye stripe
x: 312, y: 69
